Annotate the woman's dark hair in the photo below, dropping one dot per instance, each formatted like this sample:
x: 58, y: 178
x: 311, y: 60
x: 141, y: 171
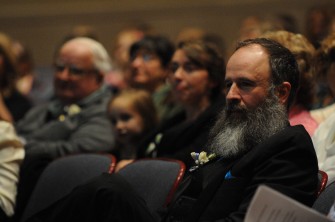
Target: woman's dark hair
x: 158, y: 45
x: 207, y: 56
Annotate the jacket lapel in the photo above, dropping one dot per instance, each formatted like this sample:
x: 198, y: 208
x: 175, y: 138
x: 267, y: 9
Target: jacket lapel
x: 209, y: 191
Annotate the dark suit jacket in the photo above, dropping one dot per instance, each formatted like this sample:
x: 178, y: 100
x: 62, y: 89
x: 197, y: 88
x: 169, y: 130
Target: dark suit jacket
x: 180, y: 137
x: 286, y: 162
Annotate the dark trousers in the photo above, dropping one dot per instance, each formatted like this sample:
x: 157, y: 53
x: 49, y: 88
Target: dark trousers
x: 3, y: 216
x: 107, y: 198
x: 30, y: 171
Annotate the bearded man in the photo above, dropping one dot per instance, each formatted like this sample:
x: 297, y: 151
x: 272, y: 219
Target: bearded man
x: 252, y: 140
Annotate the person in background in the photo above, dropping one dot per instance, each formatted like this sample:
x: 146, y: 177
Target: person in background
x: 149, y: 61
x: 25, y: 67
x: 197, y: 73
x: 13, y: 104
x: 304, y: 53
x: 318, y: 24
x: 190, y: 33
x: 117, y: 78
x: 252, y: 141
x: 325, y: 75
x: 75, y: 121
x: 11, y: 156
x: 33, y: 82
x: 323, y: 138
x: 133, y: 115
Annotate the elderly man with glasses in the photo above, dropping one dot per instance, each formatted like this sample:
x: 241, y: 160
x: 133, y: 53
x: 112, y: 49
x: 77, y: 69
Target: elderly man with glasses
x: 75, y: 121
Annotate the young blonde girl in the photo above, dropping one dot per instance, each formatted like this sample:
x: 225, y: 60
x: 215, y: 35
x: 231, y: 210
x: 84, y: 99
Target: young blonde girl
x: 132, y: 114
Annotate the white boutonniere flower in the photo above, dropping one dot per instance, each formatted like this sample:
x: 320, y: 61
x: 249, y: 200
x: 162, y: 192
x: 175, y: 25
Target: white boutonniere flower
x: 70, y: 111
x: 201, y: 158
x: 73, y: 109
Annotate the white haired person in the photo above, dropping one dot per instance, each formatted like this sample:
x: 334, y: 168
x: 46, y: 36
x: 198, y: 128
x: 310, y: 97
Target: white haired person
x: 75, y: 121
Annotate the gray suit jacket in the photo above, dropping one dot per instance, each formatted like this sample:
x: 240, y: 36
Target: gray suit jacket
x: 87, y: 131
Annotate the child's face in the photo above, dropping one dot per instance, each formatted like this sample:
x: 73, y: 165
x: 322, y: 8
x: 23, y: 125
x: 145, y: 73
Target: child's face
x: 125, y: 120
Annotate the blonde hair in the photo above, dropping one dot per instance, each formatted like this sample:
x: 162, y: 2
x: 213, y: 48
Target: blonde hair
x: 304, y: 53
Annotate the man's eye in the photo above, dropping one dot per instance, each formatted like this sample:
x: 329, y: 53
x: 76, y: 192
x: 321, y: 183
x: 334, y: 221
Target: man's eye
x: 246, y: 85
x: 59, y: 67
x: 76, y: 71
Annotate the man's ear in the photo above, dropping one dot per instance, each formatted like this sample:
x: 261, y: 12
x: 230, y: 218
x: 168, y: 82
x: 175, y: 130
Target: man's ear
x: 283, y: 92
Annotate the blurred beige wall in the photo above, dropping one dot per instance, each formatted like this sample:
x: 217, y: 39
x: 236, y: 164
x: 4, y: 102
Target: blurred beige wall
x: 41, y: 24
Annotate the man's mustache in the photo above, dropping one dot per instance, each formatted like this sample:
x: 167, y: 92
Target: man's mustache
x: 234, y: 107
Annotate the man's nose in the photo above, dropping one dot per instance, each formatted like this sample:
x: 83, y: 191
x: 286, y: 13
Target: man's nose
x: 233, y: 93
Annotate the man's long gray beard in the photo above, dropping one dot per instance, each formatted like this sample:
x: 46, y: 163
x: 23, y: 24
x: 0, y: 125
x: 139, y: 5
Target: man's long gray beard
x: 238, y: 130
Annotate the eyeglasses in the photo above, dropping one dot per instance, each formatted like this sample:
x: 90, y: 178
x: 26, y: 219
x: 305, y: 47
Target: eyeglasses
x: 73, y: 70
x: 143, y: 55
x: 187, y: 66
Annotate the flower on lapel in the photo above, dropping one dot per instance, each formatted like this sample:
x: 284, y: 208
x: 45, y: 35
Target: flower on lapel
x: 202, y: 158
x: 70, y: 111
x: 73, y: 110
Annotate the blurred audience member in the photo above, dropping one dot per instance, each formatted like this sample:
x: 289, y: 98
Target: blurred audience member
x: 325, y: 71
x: 190, y: 34
x: 197, y: 73
x: 75, y: 121
x: 324, y: 136
x: 13, y: 105
x: 318, y: 23
x: 34, y: 84
x: 133, y: 115
x: 198, y: 34
x: 120, y: 55
x: 81, y: 31
x: 324, y: 144
x: 254, y: 26
x: 80, y: 102
x: 304, y: 53
x: 150, y: 59
x: 287, y: 23
x: 25, y: 67
x: 217, y: 41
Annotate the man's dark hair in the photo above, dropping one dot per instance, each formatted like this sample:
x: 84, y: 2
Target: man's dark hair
x: 283, y: 65
x: 158, y: 45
